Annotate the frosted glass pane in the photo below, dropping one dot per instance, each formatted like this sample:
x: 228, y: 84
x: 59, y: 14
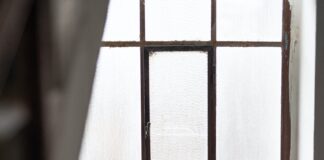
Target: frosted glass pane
x: 249, y: 20
x: 178, y: 20
x: 178, y: 105
x: 113, y: 128
x: 248, y: 103
x: 123, y: 22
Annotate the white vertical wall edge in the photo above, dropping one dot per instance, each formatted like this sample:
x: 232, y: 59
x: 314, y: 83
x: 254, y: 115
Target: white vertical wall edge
x: 307, y: 80
x: 302, y: 78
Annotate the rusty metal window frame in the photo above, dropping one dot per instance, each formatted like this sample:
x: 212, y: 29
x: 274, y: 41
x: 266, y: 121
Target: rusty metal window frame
x: 144, y: 45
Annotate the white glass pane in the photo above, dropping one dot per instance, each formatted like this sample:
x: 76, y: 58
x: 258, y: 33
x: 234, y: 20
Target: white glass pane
x: 178, y: 105
x: 178, y: 20
x: 123, y: 22
x: 248, y: 103
x: 249, y: 20
x: 113, y: 128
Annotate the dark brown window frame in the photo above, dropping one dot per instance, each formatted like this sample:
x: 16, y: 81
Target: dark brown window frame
x: 211, y: 95
x: 284, y: 44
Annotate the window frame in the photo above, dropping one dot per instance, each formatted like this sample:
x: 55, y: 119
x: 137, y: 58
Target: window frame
x: 145, y: 94
x: 284, y: 44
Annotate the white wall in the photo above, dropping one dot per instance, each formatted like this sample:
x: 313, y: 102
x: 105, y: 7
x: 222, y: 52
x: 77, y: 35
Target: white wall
x: 302, y: 76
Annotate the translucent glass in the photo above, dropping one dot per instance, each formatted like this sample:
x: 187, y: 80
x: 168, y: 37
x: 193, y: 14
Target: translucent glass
x: 113, y: 128
x: 178, y: 20
x: 248, y: 103
x: 249, y: 20
x: 123, y: 22
x: 178, y: 105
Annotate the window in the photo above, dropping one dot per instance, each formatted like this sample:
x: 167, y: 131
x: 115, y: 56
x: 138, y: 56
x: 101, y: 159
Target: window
x: 177, y: 109
x: 194, y: 80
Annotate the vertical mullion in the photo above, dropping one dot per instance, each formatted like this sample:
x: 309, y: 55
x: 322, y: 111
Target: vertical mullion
x: 213, y: 21
x: 143, y: 105
x: 211, y: 105
x: 142, y: 20
x: 146, y: 102
x: 285, y: 110
x: 145, y: 113
x: 212, y: 87
x: 144, y: 81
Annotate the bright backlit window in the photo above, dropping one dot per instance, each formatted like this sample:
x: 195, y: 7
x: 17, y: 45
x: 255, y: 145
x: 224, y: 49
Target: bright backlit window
x: 191, y: 80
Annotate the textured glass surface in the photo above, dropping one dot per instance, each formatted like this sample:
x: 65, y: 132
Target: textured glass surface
x: 178, y: 105
x: 249, y: 20
x: 178, y: 19
x: 123, y: 22
x: 114, y: 119
x: 248, y: 103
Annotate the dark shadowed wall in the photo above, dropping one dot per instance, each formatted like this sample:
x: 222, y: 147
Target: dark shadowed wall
x: 319, y: 89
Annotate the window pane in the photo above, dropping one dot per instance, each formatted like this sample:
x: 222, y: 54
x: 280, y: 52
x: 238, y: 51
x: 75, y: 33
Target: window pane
x: 249, y: 20
x: 113, y: 128
x: 178, y: 105
x: 248, y: 103
x: 178, y: 20
x: 122, y: 23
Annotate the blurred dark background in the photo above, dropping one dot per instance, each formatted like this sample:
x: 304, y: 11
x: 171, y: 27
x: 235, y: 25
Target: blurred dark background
x: 48, y: 54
